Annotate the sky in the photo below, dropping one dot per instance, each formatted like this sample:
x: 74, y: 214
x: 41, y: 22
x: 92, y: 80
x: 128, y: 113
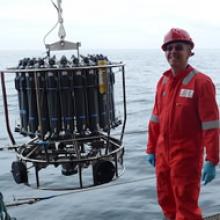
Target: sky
x: 113, y: 24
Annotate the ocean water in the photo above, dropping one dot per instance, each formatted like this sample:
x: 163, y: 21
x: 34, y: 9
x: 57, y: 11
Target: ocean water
x: 133, y: 195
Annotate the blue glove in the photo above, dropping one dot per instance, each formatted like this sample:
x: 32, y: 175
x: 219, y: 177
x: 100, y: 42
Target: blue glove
x: 208, y: 172
x: 151, y: 159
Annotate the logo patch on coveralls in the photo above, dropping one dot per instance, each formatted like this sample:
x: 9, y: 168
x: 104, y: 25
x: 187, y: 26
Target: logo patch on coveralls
x: 188, y: 93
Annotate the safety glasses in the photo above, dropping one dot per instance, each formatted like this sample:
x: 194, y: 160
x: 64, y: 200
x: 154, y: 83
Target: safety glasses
x: 176, y: 47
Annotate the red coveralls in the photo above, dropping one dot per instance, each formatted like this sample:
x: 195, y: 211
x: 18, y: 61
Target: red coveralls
x: 185, y: 119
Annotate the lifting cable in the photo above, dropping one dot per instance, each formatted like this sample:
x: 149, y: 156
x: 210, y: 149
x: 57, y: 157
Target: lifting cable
x: 61, y: 32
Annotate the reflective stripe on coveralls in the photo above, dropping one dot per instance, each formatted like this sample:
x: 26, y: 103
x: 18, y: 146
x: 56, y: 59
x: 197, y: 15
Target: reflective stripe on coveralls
x: 210, y: 125
x: 165, y: 79
x: 189, y: 77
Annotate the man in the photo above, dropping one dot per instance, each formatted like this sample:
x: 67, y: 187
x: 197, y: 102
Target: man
x: 184, y: 122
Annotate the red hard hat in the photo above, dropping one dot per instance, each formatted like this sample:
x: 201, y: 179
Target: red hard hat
x: 177, y: 34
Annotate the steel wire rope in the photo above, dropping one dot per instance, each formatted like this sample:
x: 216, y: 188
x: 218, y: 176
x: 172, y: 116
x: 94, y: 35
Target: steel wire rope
x: 47, y: 34
x: 32, y: 200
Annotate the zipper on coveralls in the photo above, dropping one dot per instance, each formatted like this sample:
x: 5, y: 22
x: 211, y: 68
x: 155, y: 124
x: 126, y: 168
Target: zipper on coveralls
x: 173, y: 90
